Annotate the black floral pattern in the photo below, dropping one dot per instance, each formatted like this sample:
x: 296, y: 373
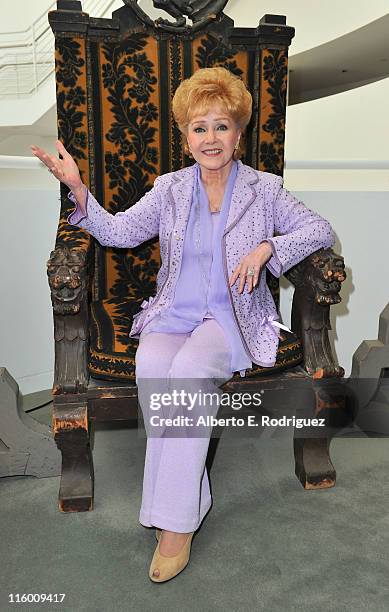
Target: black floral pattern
x: 269, y: 157
x: 212, y: 52
x: 69, y: 63
x: 274, y: 80
x: 128, y: 76
x: 71, y: 117
x: 129, y: 80
x: 176, y: 75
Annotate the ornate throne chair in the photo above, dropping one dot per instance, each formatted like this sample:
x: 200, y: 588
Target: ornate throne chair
x: 115, y: 79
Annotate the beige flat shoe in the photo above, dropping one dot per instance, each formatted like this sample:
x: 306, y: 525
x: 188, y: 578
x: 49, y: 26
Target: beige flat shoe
x: 169, y: 567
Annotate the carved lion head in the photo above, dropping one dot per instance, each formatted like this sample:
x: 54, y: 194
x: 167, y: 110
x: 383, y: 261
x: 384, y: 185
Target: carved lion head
x: 67, y: 273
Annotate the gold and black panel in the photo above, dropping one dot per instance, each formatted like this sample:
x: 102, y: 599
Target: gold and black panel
x: 115, y: 82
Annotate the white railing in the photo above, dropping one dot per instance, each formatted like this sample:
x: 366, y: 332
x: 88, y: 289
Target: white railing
x: 27, y: 56
x: 32, y: 163
x: 337, y: 164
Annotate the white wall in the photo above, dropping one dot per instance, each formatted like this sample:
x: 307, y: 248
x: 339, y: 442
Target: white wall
x: 316, y: 22
x: 19, y: 14
x: 27, y: 235
x: 349, y: 125
x: 34, y: 179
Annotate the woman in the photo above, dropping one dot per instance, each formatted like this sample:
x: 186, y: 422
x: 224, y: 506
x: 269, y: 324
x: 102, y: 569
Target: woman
x: 213, y: 313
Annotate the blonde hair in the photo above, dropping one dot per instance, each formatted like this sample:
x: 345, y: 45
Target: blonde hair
x: 210, y: 87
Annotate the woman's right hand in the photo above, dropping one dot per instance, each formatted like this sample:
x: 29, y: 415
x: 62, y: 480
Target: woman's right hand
x: 65, y: 170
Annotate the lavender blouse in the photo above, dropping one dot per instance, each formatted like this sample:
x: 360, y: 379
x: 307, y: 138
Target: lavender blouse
x: 201, y: 291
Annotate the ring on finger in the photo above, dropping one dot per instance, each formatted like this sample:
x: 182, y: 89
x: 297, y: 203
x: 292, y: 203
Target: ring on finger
x: 250, y: 271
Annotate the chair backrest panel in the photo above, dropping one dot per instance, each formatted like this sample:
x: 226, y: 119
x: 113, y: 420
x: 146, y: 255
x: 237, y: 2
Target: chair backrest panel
x: 115, y: 81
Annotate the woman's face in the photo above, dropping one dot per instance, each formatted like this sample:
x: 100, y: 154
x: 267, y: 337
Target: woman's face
x: 212, y: 138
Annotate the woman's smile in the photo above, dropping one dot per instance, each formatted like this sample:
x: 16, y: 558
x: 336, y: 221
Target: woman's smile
x: 212, y: 152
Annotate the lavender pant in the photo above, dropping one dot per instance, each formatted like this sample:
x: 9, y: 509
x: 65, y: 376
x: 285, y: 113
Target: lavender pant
x: 176, y: 494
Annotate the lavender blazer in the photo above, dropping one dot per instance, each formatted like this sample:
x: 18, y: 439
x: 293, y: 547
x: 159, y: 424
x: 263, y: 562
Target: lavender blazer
x: 260, y: 208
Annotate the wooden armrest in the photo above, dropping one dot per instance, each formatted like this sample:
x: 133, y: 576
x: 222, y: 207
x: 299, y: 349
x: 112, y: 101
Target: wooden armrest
x: 69, y: 274
x: 321, y: 274
x: 317, y: 281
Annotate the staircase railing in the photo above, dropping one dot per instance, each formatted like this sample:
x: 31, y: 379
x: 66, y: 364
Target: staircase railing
x: 27, y: 56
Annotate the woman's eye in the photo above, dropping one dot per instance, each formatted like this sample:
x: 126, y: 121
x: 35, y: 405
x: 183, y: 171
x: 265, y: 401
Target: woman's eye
x: 222, y: 127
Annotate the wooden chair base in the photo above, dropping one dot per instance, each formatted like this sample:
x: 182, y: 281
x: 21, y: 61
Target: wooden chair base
x: 74, y: 415
x: 313, y: 466
x: 71, y: 426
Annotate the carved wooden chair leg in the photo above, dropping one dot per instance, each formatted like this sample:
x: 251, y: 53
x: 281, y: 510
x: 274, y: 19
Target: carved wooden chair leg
x: 71, y: 433
x: 332, y: 403
x: 313, y: 466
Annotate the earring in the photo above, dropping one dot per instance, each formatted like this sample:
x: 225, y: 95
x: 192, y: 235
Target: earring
x: 236, y: 155
x: 187, y: 150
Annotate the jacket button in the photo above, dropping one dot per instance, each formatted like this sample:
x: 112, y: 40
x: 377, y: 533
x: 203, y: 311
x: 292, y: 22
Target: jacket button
x: 177, y: 236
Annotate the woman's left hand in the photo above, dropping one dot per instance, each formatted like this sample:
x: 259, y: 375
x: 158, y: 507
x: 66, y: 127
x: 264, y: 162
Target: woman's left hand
x: 256, y: 259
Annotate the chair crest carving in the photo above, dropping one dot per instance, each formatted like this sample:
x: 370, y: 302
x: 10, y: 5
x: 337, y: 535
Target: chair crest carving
x: 200, y: 12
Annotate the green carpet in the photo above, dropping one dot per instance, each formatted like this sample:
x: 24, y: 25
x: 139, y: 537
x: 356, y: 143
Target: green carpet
x: 266, y: 544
